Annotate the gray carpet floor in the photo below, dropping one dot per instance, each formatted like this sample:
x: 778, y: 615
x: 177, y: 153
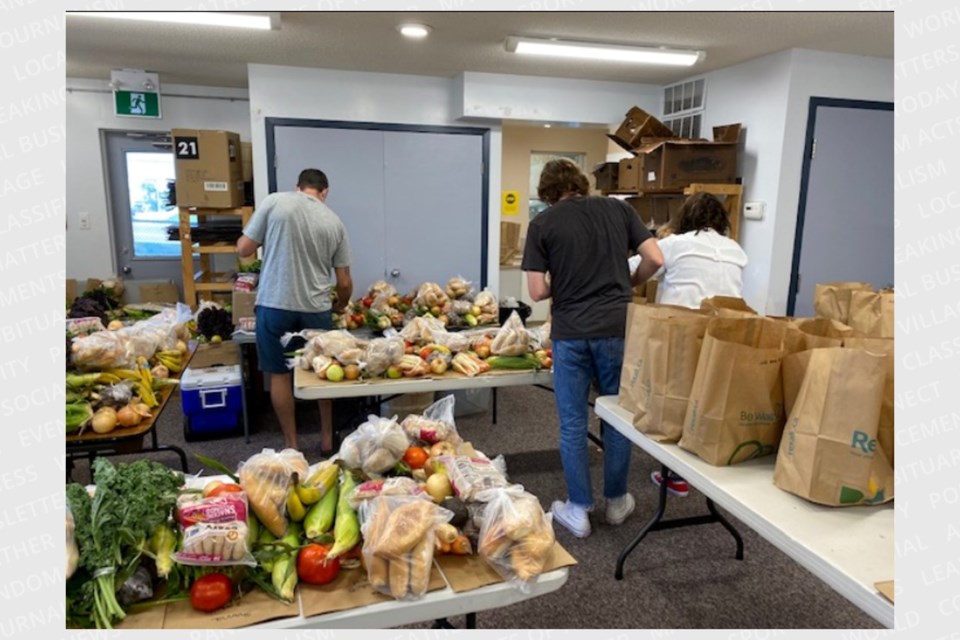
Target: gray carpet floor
x: 686, y: 578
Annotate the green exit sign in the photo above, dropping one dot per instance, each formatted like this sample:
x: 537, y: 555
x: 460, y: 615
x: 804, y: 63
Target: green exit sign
x: 136, y: 104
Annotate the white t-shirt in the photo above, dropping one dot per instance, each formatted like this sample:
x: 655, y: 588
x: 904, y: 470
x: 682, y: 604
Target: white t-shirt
x: 698, y: 265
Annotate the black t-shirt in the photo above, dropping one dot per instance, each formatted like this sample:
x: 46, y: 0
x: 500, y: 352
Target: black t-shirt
x: 584, y: 243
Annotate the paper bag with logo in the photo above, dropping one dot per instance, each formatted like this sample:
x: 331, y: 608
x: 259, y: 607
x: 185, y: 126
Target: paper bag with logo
x: 672, y: 350
x: 727, y: 307
x: 829, y: 452
x: 735, y: 411
x: 871, y: 313
x: 815, y: 333
x: 832, y: 299
x: 881, y: 346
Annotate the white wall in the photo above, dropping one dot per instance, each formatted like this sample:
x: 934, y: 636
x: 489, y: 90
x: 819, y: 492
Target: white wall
x: 90, y: 253
x: 770, y: 97
x: 326, y: 94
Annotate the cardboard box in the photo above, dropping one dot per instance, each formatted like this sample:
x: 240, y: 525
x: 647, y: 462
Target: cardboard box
x: 208, y: 167
x: 628, y: 174
x: 607, y: 176
x: 243, y: 304
x: 214, y: 355
x: 637, y: 125
x: 246, y: 161
x: 656, y: 210
x: 671, y: 165
x: 71, y: 290
x: 509, y: 240
x: 159, y: 292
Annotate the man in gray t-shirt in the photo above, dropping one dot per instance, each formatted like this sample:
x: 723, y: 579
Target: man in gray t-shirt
x: 306, y: 256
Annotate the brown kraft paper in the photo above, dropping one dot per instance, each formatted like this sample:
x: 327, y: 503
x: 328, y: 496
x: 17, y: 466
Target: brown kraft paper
x: 871, y: 313
x: 885, y: 435
x: 832, y: 299
x: 735, y: 411
x: 829, y: 453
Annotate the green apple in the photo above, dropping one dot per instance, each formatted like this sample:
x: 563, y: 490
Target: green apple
x: 334, y: 373
x: 394, y: 373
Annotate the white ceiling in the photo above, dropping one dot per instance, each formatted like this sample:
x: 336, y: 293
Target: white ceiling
x: 460, y: 41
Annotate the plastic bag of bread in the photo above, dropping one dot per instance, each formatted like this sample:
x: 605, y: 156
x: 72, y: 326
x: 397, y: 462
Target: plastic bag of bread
x: 214, y: 530
x: 381, y: 288
x: 511, y: 339
x: 395, y: 486
x: 266, y: 479
x: 458, y: 287
x: 324, y: 343
x: 471, y: 476
x: 382, y: 353
x: 375, y: 447
x: 435, y: 425
x: 516, y: 536
x: 398, y: 543
x: 488, y: 304
x: 454, y: 341
x: 101, y: 350
x: 430, y: 297
x: 540, y: 337
x: 422, y: 329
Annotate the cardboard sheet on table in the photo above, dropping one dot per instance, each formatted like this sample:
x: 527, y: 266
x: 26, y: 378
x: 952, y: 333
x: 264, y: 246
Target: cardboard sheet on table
x: 466, y: 573
x: 151, y: 618
x: 255, y: 606
x: 886, y: 589
x: 351, y: 590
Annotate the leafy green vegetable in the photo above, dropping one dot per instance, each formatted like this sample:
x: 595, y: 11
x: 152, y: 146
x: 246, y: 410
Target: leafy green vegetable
x: 112, y: 529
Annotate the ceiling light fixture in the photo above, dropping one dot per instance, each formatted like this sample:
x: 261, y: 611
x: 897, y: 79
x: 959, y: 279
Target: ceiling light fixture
x: 547, y: 126
x: 204, y: 18
x: 601, y: 51
x: 415, y: 30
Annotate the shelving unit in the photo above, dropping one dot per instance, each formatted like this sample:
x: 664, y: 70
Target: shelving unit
x: 204, y: 282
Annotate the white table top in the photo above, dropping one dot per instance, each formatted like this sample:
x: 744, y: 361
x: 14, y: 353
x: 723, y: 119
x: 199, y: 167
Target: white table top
x: 849, y: 548
x: 414, y: 385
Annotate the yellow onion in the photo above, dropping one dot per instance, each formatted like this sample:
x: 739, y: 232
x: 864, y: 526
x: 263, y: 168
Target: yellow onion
x: 104, y: 420
x: 160, y: 371
x: 142, y: 409
x: 128, y: 417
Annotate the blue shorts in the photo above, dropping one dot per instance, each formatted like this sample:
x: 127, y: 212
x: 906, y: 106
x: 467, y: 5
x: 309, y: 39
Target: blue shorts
x: 273, y: 323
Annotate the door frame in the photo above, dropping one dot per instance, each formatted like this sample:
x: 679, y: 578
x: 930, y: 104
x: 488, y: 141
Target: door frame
x: 815, y: 103
x: 270, y: 125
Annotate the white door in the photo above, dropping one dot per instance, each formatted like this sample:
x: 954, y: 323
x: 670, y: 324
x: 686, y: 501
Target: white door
x: 845, y: 230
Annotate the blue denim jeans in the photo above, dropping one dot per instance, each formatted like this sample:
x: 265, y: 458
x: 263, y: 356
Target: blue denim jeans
x: 576, y: 363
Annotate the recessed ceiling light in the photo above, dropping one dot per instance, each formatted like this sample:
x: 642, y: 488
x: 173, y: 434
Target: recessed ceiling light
x: 602, y: 51
x: 547, y: 126
x: 414, y: 30
x: 205, y: 18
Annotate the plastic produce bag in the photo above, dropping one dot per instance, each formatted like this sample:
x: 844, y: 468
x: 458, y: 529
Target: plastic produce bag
x: 398, y: 542
x: 381, y: 288
x: 375, y: 447
x: 516, y: 536
x: 382, y: 353
x: 101, y: 350
x: 332, y: 344
x: 540, y: 337
x: 428, y: 296
x: 458, y: 287
x: 435, y: 425
x: 471, y: 476
x: 511, y: 339
x: 456, y: 342
x: 489, y: 307
x: 265, y: 477
x: 422, y: 329
x: 396, y: 486
x: 214, y: 530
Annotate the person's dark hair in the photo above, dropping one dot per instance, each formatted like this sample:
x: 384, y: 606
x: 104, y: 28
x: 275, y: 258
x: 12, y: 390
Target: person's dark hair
x: 559, y: 178
x: 312, y: 179
x: 703, y: 211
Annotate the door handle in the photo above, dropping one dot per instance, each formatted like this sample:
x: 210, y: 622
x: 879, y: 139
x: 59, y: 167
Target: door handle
x: 126, y: 270
x: 395, y: 273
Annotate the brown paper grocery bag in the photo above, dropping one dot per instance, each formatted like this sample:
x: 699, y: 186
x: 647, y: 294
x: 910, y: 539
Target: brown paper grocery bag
x: 735, y: 411
x: 871, y: 313
x: 881, y: 346
x: 832, y: 299
x: 811, y: 333
x: 727, y: 306
x: 829, y: 453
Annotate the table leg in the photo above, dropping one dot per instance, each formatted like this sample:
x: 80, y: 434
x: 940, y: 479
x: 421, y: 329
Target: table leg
x: 243, y: 394
x: 656, y: 523
x: 494, y: 405
x: 471, y: 621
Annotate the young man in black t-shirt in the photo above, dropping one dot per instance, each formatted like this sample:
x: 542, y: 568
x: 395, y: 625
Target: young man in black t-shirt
x: 583, y: 242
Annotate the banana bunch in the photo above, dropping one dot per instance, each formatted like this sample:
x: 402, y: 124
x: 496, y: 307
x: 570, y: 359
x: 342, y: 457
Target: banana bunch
x: 172, y: 359
x: 145, y: 385
x: 311, y: 491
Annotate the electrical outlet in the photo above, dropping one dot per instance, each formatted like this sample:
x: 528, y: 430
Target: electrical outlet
x: 753, y: 210
x: 83, y: 220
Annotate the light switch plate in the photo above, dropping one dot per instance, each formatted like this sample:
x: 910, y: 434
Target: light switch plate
x: 753, y: 210
x: 83, y: 220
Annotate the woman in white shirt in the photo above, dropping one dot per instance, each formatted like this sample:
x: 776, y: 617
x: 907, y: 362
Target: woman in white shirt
x: 699, y: 261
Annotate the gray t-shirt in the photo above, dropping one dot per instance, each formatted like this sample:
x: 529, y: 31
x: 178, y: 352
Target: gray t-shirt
x: 303, y: 242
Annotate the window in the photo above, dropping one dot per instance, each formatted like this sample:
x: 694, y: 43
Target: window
x: 537, y: 161
x: 150, y: 215
x: 683, y: 107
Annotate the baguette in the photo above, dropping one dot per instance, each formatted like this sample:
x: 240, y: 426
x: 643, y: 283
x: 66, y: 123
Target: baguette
x: 421, y: 560
x: 378, y: 572
x: 407, y: 525
x: 399, y: 575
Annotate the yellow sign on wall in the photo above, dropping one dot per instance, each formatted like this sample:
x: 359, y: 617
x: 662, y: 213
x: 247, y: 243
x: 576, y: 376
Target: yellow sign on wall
x: 510, y: 203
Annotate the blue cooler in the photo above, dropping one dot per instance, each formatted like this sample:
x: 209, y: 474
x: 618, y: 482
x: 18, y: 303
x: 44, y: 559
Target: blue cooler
x: 212, y: 399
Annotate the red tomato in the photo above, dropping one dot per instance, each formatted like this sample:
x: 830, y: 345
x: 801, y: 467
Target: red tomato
x: 313, y: 567
x: 211, y: 592
x: 415, y: 457
x: 226, y: 487
x: 368, y: 301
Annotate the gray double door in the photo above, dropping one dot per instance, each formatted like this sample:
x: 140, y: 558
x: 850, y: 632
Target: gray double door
x: 412, y: 201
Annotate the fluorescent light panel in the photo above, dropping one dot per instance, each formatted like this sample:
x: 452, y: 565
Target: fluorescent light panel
x: 599, y: 51
x: 414, y: 30
x: 204, y: 18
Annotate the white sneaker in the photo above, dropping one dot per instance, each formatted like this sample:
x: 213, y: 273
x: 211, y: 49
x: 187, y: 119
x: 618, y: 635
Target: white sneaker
x: 619, y: 509
x: 573, y: 517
